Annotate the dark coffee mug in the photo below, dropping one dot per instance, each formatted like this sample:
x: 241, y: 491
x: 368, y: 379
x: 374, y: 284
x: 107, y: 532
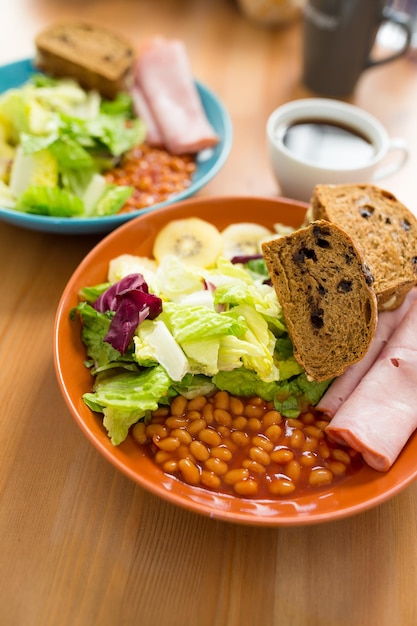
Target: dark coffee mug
x: 338, y: 37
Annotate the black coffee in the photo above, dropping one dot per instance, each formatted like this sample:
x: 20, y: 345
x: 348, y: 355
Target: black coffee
x: 327, y: 144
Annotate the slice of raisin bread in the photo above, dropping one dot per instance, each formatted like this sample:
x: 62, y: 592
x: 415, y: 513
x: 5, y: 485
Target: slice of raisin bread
x: 94, y: 56
x: 325, y: 290
x: 383, y: 228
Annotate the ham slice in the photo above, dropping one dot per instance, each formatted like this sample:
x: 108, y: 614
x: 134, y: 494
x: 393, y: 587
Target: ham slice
x: 142, y: 110
x: 343, y: 386
x: 380, y: 415
x: 163, y: 74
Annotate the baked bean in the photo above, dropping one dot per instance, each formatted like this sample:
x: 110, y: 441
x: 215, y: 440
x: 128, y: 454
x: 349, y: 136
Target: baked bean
x: 313, y: 431
x: 233, y: 476
x: 247, y: 487
x: 259, y: 455
x: 158, y: 430
x: 178, y: 405
x: 253, y: 410
x: 323, y: 449
x: 161, y: 456
x: 170, y: 466
x: 308, y: 418
x: 182, y: 435
x: 294, y: 423
x: 244, y: 447
x: 210, y: 479
x: 160, y: 412
x: 282, y: 455
x: 221, y: 400
x: 195, y: 426
x: 139, y: 433
x: 230, y: 444
x: 270, y: 418
x: 184, y: 452
x: 216, y: 465
x: 297, y: 438
x: 240, y: 438
x: 189, y: 471
x: 224, y: 431
x: 199, y: 450
x: 263, y: 442
x: 310, y: 444
x: 240, y: 422
x: 197, y: 403
x: 320, y: 476
x: 273, y: 432
x: 221, y: 452
x: 254, y: 466
x: 340, y: 455
x: 293, y: 470
x: 222, y: 417
x: 175, y: 422
x: 308, y: 459
x: 209, y: 436
x: 281, y: 486
x: 336, y: 467
x: 167, y: 443
x: 254, y: 424
x: 194, y: 415
x: 208, y: 413
x: 154, y: 173
x: 236, y: 406
x: 256, y: 400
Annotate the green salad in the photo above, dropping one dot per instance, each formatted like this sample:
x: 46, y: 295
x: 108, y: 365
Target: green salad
x: 154, y: 331
x: 56, y: 142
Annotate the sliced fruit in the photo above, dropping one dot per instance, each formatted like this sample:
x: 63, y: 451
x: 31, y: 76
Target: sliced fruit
x: 243, y: 239
x: 126, y: 264
x: 193, y: 240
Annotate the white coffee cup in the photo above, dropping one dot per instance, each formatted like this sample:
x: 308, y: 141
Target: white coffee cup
x: 323, y: 141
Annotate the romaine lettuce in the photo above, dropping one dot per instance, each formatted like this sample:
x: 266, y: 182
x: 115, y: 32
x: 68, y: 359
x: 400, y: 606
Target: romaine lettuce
x: 127, y: 397
x: 65, y: 137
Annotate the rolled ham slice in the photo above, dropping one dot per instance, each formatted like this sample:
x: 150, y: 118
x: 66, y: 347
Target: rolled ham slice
x: 342, y: 387
x: 164, y: 75
x: 153, y: 134
x: 380, y: 415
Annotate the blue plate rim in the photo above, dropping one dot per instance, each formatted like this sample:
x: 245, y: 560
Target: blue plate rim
x: 92, y: 225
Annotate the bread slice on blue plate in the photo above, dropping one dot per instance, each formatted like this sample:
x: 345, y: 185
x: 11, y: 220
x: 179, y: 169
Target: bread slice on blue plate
x: 96, y: 57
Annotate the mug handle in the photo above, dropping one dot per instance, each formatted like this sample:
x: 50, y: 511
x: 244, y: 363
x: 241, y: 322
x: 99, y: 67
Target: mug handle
x: 395, y: 144
x: 392, y: 16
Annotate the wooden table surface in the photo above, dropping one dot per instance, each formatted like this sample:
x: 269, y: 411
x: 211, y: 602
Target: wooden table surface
x: 80, y: 544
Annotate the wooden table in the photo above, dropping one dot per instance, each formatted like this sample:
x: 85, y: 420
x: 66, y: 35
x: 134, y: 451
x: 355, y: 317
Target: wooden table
x: 80, y: 544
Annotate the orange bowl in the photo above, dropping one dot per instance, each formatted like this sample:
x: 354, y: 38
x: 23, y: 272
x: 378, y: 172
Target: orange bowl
x: 357, y: 493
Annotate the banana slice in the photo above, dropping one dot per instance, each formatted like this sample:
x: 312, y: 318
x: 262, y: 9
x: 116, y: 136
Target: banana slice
x: 243, y: 239
x: 193, y: 240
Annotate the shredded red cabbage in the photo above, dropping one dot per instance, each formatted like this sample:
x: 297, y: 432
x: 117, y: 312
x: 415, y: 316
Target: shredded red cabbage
x: 131, y: 301
x: 245, y: 258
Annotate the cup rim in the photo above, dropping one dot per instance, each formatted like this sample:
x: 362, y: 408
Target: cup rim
x: 333, y: 110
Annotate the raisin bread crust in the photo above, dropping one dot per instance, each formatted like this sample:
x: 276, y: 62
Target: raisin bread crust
x: 328, y: 303
x: 382, y: 227
x: 95, y: 57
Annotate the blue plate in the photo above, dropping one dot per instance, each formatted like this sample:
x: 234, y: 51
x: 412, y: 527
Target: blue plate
x: 209, y: 163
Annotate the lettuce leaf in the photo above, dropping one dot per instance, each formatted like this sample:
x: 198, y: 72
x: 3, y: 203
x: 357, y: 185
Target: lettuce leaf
x: 127, y: 397
x: 295, y: 395
x: 49, y: 201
